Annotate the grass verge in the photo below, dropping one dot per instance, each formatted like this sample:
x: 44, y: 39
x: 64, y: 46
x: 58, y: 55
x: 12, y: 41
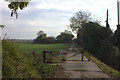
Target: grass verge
x: 103, y: 66
x: 45, y: 70
x: 16, y: 64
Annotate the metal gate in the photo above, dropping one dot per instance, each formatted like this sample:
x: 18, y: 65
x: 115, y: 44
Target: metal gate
x: 54, y: 56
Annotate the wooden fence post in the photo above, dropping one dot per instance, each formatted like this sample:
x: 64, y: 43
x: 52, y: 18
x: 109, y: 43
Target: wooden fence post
x: 34, y: 57
x: 44, y: 57
x: 51, y: 57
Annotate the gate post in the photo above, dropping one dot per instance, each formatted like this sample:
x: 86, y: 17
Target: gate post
x: 82, y: 56
x: 63, y: 58
x: 44, y: 57
x: 89, y: 58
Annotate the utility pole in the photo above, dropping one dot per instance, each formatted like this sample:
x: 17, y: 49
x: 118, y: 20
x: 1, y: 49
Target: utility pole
x: 118, y: 10
x: 81, y: 37
x: 107, y: 25
x: 118, y: 26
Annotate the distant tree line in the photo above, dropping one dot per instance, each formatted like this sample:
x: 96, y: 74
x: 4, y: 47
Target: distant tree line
x: 63, y: 37
x: 97, y: 39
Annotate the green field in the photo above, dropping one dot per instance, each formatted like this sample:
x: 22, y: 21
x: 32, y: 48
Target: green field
x: 28, y: 48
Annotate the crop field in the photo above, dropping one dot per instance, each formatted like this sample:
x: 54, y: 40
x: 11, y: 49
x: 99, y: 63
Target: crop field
x: 28, y: 48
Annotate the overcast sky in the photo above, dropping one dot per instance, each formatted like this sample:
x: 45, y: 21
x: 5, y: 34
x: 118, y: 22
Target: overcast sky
x: 52, y: 16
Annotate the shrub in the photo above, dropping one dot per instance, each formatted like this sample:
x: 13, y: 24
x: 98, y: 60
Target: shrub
x: 15, y: 64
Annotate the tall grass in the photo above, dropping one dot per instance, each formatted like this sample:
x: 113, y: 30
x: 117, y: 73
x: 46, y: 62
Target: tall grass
x: 107, y: 69
x: 17, y: 65
x: 26, y: 49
